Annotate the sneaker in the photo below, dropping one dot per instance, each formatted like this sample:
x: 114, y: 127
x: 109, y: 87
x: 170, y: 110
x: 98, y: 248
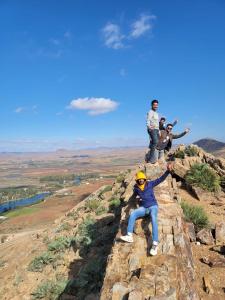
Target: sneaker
x: 127, y: 238
x: 153, y: 250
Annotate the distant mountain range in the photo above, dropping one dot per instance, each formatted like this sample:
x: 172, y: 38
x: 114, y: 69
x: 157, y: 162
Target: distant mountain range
x: 210, y: 145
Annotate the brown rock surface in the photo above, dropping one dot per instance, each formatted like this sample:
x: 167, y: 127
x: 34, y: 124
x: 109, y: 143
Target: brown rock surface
x: 220, y: 232
x: 169, y: 275
x: 205, y: 236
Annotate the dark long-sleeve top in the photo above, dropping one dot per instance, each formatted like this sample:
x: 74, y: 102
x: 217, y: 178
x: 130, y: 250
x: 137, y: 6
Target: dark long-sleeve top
x: 166, y: 137
x: 147, y: 195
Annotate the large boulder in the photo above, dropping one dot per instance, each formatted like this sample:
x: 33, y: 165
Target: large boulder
x: 204, y: 236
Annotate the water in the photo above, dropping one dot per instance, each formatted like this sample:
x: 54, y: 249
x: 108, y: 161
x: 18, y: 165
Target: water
x: 22, y: 202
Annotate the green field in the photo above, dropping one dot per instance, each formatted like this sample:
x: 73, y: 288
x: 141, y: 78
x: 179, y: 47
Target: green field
x: 21, y: 211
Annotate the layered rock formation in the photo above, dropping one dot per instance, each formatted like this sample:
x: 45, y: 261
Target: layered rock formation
x: 131, y: 273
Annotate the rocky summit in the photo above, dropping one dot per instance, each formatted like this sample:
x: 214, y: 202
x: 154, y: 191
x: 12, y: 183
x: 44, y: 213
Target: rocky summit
x: 81, y: 256
x: 131, y: 272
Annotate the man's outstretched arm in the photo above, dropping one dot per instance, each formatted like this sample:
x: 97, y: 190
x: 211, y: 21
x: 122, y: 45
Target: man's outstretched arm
x: 177, y: 136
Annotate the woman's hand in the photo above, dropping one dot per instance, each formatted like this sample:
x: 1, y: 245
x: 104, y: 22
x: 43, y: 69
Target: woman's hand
x: 169, y: 167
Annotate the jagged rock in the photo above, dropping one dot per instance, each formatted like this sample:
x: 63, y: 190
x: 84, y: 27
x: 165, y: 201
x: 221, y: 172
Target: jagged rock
x: 205, y: 236
x: 170, y: 295
x: 119, y: 291
x: 169, y: 275
x: 214, y: 262
x: 219, y: 249
x: 191, y: 231
x: 136, y: 295
x: 179, y: 169
x: 201, y: 195
x: 207, y: 285
x: 220, y: 232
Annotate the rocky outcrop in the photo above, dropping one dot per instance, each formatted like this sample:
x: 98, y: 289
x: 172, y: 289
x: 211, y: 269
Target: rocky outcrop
x: 182, y: 165
x: 131, y: 273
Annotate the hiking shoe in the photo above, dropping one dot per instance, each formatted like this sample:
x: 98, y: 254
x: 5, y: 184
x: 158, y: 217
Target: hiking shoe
x: 127, y: 238
x: 153, y: 250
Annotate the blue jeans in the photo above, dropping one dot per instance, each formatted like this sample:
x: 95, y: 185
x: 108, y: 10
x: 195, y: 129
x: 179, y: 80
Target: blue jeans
x: 154, y: 137
x: 141, y: 212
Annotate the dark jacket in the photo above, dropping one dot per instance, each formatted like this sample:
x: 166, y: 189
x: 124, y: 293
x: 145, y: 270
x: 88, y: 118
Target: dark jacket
x: 166, y: 138
x: 147, y: 195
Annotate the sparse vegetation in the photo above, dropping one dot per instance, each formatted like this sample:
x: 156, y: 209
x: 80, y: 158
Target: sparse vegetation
x: 108, y: 188
x: 195, y: 214
x: 180, y: 154
x: 203, y: 176
x: 61, y: 243
x: 64, y: 227
x: 92, y: 204
x: 86, y: 233
x: 100, y: 210
x: 120, y: 178
x: 114, y: 203
x: 191, y: 151
x: 89, y: 280
x: 39, y: 262
x: 21, y: 211
x: 18, y: 279
x: 50, y: 290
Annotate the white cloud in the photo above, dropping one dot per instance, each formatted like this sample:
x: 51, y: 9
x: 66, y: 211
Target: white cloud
x: 142, y: 25
x: 112, y: 36
x: 18, y: 110
x: 94, y: 106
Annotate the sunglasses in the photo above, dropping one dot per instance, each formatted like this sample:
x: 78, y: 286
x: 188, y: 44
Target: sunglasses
x: 169, y: 128
x: 141, y: 180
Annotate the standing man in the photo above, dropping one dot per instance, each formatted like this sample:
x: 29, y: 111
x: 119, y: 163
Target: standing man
x: 153, y: 129
x: 166, y: 138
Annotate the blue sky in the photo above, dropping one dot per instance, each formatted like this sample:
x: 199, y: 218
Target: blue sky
x: 78, y: 74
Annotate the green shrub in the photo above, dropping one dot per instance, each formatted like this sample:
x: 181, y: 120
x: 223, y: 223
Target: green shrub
x: 64, y: 227
x: 120, y: 178
x: 180, y: 154
x: 39, y: 262
x: 195, y: 214
x: 191, y: 151
x: 50, y: 290
x: 203, y: 176
x: 86, y: 233
x: 114, y: 203
x: 89, y: 279
x: 106, y: 189
x: 92, y: 204
x: 61, y: 244
x: 222, y: 181
x: 100, y: 210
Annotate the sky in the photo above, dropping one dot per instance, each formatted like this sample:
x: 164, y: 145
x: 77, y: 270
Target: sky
x: 82, y: 73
